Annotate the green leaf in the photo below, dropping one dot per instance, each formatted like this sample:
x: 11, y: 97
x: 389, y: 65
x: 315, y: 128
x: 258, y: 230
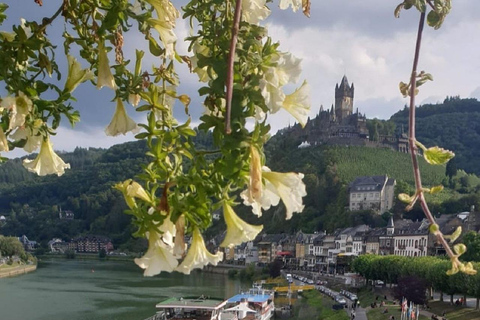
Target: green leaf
x: 436, y: 155
x: 405, y: 198
x: 454, y: 236
x: 434, y: 228
x: 398, y: 9
x: 459, y: 249
x: 154, y: 47
x: 433, y: 19
x: 436, y: 189
x: 404, y: 89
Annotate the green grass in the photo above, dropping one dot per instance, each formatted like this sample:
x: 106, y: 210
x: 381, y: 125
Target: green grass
x: 366, y: 296
x: 453, y: 312
x: 323, y: 307
x: 377, y: 313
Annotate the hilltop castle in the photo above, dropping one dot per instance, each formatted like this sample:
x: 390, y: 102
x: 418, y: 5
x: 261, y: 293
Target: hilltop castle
x: 341, y: 126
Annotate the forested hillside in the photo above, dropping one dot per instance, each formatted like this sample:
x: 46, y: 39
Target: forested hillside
x: 453, y: 125
x: 31, y: 204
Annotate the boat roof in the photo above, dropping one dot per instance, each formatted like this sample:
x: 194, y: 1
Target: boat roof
x: 192, y: 303
x: 259, y: 298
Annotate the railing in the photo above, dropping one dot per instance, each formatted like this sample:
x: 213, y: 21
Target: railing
x: 157, y: 316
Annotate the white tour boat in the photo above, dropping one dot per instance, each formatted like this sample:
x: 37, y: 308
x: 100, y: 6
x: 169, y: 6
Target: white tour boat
x: 201, y: 308
x: 256, y: 304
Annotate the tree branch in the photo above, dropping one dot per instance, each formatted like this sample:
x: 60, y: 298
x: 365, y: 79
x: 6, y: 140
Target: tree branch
x: 412, y: 139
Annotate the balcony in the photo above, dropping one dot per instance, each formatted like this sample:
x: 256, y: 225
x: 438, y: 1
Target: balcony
x: 401, y: 247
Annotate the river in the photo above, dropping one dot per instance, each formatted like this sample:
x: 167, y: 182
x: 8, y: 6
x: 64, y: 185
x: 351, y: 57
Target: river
x: 100, y: 290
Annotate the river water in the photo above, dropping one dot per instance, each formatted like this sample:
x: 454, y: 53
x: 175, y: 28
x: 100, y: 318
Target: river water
x: 116, y: 290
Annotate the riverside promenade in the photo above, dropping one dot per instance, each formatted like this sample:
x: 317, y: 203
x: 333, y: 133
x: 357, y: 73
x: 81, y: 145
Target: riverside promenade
x: 16, y: 271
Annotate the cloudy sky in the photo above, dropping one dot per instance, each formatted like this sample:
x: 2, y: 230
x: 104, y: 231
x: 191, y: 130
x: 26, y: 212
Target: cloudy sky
x: 359, y: 39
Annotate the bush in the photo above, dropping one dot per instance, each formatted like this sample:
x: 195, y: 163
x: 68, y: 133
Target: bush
x: 70, y: 254
x: 232, y: 274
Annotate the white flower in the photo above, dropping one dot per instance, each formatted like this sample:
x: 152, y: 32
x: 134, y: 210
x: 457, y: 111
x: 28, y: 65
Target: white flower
x: 104, y: 77
x: 46, y: 162
x: 198, y: 255
x: 9, y: 36
x: 238, y: 231
x: 168, y: 230
x: 286, y: 186
x: 131, y: 190
x: 167, y: 35
x: 34, y: 139
x: 3, y: 141
x: 254, y: 11
x: 167, y: 14
x: 298, y: 103
x: 76, y: 74
x: 18, y: 108
x: 137, y: 7
x: 166, y: 11
x: 121, y: 122
x: 27, y: 30
x: 159, y: 256
x: 295, y: 4
x: 134, y: 99
x: 287, y: 70
x: 273, y: 95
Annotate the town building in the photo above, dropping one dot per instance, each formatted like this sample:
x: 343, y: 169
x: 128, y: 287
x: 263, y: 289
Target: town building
x: 66, y: 215
x: 28, y: 245
x: 57, y: 245
x: 91, y: 244
x: 372, y: 193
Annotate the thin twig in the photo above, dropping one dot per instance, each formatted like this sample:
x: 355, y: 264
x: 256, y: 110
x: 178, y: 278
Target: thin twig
x: 412, y: 139
x: 431, y: 4
x: 47, y: 21
x: 231, y: 58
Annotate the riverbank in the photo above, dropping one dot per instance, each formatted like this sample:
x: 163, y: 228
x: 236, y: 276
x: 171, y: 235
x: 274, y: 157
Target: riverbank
x: 16, y: 270
x: 86, y: 256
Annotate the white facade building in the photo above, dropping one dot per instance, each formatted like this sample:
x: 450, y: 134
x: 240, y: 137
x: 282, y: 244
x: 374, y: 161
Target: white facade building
x: 372, y: 193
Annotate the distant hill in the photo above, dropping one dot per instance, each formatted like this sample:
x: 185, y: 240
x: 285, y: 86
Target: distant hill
x: 31, y: 204
x: 453, y: 124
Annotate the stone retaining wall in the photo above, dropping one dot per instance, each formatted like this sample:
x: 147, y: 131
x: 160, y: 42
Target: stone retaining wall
x: 12, y: 272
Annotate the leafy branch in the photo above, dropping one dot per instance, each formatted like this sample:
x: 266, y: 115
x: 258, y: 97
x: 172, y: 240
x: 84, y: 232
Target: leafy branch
x: 433, y: 155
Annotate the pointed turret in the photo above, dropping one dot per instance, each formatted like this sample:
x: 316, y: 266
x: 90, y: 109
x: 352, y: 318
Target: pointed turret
x: 390, y: 226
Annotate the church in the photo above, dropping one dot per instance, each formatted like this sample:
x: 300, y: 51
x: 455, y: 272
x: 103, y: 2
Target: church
x: 341, y: 126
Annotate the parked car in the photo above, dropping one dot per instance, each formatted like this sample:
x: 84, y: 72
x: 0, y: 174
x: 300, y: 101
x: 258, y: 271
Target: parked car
x: 341, y: 300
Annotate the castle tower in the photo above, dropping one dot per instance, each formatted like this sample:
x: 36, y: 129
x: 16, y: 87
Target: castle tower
x: 343, y: 99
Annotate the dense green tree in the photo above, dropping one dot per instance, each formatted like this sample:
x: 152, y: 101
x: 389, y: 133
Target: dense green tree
x: 472, y: 241
x: 412, y: 288
x: 11, y: 246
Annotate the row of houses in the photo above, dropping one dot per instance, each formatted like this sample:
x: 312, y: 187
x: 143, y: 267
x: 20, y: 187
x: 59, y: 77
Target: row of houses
x: 326, y: 252
x: 83, y: 244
